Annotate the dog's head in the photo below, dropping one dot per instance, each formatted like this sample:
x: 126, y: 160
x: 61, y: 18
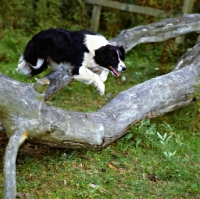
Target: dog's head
x: 111, y: 57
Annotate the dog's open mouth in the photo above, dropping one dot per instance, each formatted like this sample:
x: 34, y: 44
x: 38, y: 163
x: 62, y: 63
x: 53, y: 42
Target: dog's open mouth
x: 115, y: 72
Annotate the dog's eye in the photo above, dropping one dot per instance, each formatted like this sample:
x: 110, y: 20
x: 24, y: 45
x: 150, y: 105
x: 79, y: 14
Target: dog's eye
x: 113, y: 58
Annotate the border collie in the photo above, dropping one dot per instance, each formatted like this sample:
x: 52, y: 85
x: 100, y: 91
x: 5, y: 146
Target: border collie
x: 80, y: 52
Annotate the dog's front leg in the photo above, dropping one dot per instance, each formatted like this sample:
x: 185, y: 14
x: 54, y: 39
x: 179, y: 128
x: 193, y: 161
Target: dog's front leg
x: 104, y: 74
x: 88, y: 77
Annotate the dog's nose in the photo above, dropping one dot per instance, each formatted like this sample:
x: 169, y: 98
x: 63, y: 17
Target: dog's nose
x: 123, y: 68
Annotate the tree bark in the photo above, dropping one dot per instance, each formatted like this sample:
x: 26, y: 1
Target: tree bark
x: 24, y: 113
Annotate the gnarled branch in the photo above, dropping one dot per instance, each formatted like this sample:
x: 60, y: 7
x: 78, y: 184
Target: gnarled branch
x: 23, y: 108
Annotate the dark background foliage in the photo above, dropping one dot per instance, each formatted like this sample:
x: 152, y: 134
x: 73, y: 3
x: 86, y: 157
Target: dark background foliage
x: 24, y: 18
x: 34, y: 15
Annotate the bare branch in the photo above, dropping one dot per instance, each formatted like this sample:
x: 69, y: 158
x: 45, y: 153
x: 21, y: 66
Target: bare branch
x: 159, y: 31
x: 58, y: 79
x: 10, y: 164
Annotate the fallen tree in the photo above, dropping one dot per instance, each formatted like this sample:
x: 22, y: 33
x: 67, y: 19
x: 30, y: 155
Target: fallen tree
x: 25, y: 115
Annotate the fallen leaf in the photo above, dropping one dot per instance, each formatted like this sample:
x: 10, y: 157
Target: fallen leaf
x: 153, y: 177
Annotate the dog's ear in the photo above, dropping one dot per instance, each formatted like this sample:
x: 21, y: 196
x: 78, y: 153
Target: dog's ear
x: 101, y: 52
x: 122, y: 50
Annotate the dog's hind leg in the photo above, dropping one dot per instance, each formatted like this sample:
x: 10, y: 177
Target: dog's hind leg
x: 104, y: 74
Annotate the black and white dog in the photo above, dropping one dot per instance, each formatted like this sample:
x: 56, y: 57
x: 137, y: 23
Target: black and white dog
x: 79, y: 51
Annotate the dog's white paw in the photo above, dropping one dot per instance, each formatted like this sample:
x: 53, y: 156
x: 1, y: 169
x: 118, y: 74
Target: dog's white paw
x: 100, y: 86
x: 86, y: 79
x: 89, y: 79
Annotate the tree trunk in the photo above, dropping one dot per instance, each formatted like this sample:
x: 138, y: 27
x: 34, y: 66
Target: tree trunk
x: 24, y: 113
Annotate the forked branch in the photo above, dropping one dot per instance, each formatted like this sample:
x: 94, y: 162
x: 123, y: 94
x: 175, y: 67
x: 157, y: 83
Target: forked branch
x: 23, y: 109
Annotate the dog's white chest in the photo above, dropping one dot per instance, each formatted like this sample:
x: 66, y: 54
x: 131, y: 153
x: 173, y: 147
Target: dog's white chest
x: 88, y: 61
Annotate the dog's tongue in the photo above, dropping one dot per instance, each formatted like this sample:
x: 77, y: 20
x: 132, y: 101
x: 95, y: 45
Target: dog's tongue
x: 115, y: 72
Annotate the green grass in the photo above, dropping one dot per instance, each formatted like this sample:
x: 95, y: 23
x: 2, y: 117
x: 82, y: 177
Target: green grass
x: 157, y: 158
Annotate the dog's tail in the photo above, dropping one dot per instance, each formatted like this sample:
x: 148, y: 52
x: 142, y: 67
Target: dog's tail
x: 26, y: 68
x: 29, y: 63
x: 23, y: 66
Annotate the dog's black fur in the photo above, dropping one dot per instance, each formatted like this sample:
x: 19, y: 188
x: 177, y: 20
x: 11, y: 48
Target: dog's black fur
x: 79, y: 50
